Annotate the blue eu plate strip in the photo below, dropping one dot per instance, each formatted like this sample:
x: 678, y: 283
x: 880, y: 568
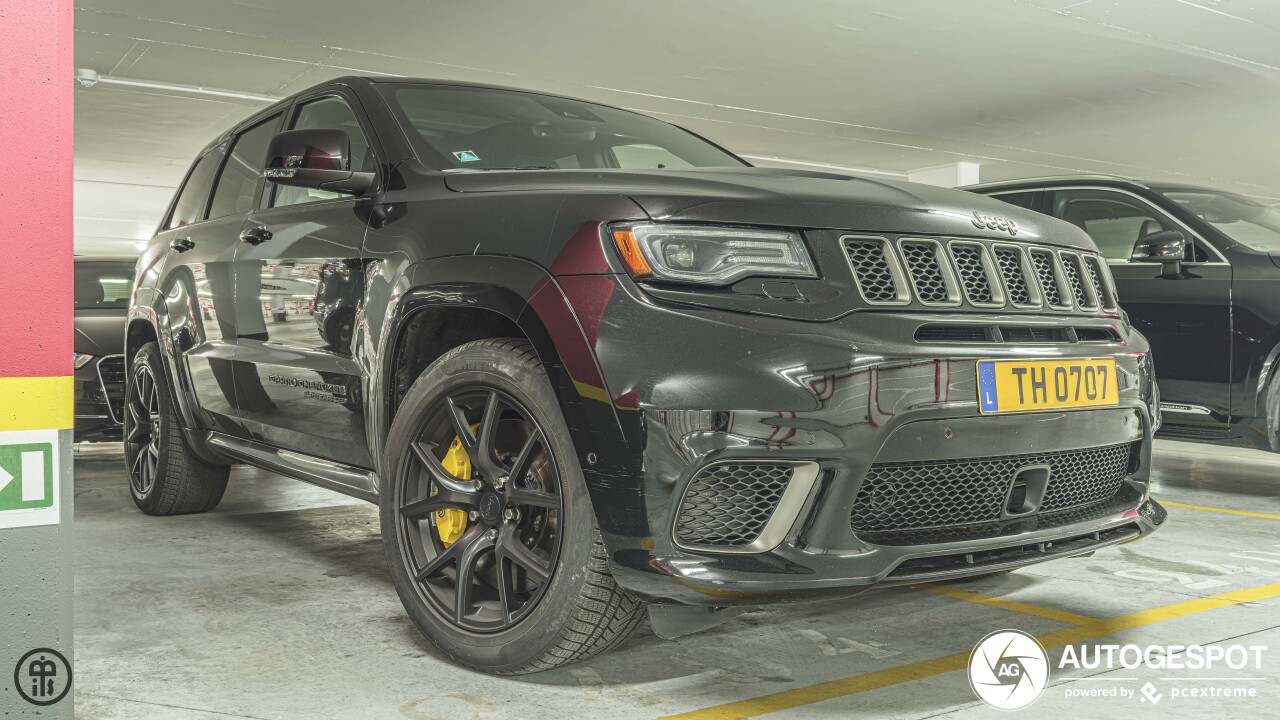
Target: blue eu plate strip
x: 987, y: 387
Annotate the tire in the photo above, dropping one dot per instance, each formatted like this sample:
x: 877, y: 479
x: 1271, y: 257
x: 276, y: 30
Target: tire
x: 165, y: 476
x: 578, y: 611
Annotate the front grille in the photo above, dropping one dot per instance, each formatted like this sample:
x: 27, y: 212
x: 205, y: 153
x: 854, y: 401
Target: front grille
x: 966, y: 272
x: 871, y: 268
x: 973, y: 273
x: 111, y: 374
x: 729, y: 504
x: 925, y: 269
x: 950, y: 493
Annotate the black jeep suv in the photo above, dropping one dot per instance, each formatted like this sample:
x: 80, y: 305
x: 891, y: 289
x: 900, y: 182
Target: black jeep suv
x: 596, y: 364
x: 1210, y: 305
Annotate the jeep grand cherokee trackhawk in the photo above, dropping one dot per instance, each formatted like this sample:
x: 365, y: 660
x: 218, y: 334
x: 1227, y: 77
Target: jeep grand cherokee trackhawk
x: 589, y: 363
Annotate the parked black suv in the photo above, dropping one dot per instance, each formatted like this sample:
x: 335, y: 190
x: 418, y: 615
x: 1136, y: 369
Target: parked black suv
x: 102, y: 287
x: 1210, y: 306
x: 598, y: 363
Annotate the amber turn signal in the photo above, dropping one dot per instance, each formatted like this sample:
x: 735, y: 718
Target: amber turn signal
x: 631, y: 254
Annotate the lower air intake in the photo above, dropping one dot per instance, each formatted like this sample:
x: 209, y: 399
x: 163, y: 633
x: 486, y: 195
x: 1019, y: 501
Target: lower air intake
x: 729, y: 504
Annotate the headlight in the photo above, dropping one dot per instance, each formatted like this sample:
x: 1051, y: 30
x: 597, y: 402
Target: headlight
x: 82, y: 359
x: 711, y: 255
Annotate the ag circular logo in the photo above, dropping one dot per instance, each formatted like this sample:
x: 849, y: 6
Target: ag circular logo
x: 1008, y: 669
x: 42, y: 676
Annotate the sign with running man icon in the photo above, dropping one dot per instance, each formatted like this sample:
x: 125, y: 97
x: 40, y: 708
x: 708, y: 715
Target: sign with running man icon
x: 28, y: 478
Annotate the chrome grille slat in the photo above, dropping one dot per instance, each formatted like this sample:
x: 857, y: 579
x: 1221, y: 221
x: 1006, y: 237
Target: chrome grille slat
x: 1105, y: 295
x: 1045, y: 263
x: 950, y: 493
x: 976, y: 272
x: 923, y: 259
x: 1073, y: 269
x: 871, y: 261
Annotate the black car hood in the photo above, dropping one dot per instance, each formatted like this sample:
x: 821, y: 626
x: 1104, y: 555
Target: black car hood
x: 99, y: 332
x: 789, y: 198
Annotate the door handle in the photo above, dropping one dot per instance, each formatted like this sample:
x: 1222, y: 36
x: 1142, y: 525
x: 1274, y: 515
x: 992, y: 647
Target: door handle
x: 256, y: 236
x: 183, y: 244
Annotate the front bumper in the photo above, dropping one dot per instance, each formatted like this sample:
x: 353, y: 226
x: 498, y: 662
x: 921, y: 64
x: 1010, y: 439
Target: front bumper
x: 701, y: 386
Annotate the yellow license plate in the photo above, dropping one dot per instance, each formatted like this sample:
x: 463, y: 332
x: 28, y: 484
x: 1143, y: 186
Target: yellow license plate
x: 1011, y: 386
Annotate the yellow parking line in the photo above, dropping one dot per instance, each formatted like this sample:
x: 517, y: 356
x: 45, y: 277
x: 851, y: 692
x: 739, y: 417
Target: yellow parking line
x: 1246, y: 513
x: 1011, y: 605
x: 1256, y: 458
x: 788, y: 699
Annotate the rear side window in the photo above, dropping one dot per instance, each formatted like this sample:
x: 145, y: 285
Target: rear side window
x: 238, y: 182
x: 192, y: 199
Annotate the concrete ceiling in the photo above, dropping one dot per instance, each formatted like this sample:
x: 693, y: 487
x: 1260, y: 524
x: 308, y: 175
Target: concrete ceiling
x: 1159, y: 89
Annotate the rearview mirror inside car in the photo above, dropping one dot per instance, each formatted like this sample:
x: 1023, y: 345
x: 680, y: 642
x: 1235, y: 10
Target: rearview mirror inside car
x: 318, y: 158
x: 1167, y: 247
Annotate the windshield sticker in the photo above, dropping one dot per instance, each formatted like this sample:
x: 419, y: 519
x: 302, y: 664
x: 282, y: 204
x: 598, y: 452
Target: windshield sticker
x: 466, y: 156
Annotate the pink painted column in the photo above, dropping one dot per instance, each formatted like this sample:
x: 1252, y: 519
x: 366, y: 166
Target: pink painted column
x: 36, y: 407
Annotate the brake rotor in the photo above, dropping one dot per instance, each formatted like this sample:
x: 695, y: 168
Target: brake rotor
x: 452, y: 522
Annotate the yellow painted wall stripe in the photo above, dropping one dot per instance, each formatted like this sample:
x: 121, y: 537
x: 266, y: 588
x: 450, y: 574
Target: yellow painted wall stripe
x: 1011, y: 605
x: 788, y: 699
x: 37, y: 403
x: 1246, y: 513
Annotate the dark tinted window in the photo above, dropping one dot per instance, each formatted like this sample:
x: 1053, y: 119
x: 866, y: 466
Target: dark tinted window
x: 481, y: 129
x: 327, y: 113
x: 103, y: 285
x: 239, y: 179
x: 1021, y: 199
x: 195, y: 193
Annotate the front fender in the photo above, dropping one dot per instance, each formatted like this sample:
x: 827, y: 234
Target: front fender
x: 527, y: 295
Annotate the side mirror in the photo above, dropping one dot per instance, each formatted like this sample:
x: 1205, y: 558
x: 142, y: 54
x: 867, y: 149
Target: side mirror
x: 319, y: 159
x: 1167, y: 247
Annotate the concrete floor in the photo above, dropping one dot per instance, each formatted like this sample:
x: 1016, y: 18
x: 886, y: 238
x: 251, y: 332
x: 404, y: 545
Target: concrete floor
x: 278, y: 605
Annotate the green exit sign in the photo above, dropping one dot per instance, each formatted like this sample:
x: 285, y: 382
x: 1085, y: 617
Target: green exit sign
x: 26, y: 476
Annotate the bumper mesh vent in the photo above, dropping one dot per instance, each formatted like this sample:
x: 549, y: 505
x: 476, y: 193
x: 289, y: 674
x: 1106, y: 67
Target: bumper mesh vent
x: 871, y: 268
x: 729, y: 504
x: 973, y: 273
x: 926, y: 272
x: 925, y: 495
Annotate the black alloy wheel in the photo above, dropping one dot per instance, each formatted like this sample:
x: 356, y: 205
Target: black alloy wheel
x: 491, y: 576
x: 142, y: 430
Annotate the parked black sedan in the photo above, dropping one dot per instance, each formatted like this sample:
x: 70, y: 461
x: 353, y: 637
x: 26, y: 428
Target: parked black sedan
x: 1210, y: 310
x: 102, y: 298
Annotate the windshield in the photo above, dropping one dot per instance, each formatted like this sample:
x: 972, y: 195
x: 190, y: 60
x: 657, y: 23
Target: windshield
x: 481, y: 129
x: 1251, y: 224
x: 103, y: 285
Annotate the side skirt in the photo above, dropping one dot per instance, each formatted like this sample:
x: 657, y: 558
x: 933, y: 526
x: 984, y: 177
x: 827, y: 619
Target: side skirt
x: 336, y: 476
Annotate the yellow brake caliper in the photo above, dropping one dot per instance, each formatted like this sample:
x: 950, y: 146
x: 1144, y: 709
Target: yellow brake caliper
x: 451, y: 522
